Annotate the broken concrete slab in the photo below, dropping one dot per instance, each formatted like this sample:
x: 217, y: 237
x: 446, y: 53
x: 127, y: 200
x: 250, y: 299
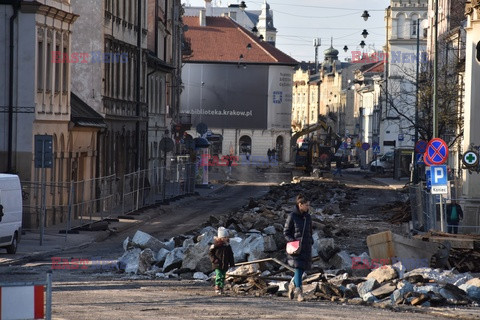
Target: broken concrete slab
x: 254, y: 247
x: 383, y: 274
x: 367, y: 286
x: 384, y: 291
x: 126, y: 244
x: 143, y: 240
x: 174, y: 259
x: 238, y: 249
x: 145, y: 261
x: 341, y: 260
x: 369, y: 298
x: 435, y: 288
x: 454, y: 295
x: 325, y: 247
x: 269, y: 244
x: 200, y: 276
x: 128, y: 262
x: 400, y: 269
x: 270, y: 230
x: 472, y: 288
x: 438, y: 275
x: 196, y: 258
x: 161, y: 255
x: 188, y: 242
x: 170, y: 244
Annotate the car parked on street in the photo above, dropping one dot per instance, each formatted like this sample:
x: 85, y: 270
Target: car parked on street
x: 383, y: 163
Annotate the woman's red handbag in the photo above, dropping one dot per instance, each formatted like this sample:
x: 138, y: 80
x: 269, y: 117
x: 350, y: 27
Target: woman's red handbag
x: 294, y: 247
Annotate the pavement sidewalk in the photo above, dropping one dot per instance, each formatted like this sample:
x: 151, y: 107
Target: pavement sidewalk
x: 386, y: 181
x: 54, y: 242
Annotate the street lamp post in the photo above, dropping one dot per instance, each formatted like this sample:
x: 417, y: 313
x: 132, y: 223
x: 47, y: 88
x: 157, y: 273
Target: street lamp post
x: 435, y: 74
x: 415, y: 167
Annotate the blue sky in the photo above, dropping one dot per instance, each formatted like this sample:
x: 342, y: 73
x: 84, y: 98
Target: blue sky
x: 299, y: 22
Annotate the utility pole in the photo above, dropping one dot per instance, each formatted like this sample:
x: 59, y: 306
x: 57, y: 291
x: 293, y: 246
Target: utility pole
x: 435, y: 74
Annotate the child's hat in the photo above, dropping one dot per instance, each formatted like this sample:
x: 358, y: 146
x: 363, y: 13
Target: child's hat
x: 222, y: 233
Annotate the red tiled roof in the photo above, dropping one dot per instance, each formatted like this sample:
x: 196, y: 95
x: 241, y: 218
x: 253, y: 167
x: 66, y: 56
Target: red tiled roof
x: 377, y: 67
x: 223, y: 40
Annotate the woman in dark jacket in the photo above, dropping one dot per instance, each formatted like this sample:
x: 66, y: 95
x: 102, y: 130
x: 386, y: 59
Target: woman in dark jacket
x: 299, y: 227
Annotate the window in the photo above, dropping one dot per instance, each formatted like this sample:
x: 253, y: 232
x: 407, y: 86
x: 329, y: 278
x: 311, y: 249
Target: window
x: 65, y: 72
x: 415, y: 22
x: 57, y: 67
x: 40, y: 66
x: 401, y: 26
x: 48, y: 69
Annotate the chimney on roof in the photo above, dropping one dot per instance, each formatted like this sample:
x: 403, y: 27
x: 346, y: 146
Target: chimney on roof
x: 208, y: 7
x: 202, y: 18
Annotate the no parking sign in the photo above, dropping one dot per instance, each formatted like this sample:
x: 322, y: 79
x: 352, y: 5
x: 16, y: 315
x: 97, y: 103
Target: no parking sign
x: 437, y: 152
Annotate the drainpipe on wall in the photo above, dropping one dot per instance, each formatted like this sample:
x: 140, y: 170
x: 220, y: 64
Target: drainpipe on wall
x: 14, y: 16
x: 139, y: 78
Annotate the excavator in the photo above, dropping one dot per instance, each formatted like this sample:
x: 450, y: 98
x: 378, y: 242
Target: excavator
x: 315, y: 155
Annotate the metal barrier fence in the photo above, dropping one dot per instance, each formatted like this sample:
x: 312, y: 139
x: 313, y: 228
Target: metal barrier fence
x: 426, y: 210
x: 111, y: 196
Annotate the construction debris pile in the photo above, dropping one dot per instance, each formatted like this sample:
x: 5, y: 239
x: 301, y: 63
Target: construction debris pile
x: 399, y: 211
x: 258, y: 244
x: 464, y: 252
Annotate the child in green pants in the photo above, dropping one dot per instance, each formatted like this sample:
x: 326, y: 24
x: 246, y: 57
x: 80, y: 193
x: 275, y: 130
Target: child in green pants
x: 221, y: 255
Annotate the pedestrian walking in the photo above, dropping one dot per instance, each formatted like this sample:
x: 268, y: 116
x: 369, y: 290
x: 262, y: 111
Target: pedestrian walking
x: 229, y: 164
x: 247, y: 155
x: 274, y: 155
x: 298, y: 226
x: 269, y: 155
x: 454, y: 215
x: 221, y: 255
x: 338, y: 164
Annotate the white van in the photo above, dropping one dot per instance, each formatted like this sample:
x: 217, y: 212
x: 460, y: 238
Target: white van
x: 10, y: 212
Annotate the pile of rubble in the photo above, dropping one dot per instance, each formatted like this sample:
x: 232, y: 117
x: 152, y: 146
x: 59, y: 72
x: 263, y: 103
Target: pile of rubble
x: 256, y: 232
x: 399, y: 211
x: 464, y: 253
x: 392, y: 285
x: 259, y: 248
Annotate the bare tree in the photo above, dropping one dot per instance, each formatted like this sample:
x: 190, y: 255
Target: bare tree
x: 401, y: 97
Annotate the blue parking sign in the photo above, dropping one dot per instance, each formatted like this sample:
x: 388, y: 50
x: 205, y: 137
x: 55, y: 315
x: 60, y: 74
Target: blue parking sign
x: 439, y: 179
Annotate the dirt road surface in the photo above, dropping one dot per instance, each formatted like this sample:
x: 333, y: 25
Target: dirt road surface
x: 105, y: 294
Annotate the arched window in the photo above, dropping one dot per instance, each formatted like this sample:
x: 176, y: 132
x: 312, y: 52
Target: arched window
x: 245, y: 143
x: 413, y: 28
x: 401, y: 26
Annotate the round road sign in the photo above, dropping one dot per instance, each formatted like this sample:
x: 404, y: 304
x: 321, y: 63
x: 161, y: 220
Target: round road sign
x: 437, y: 151
x: 470, y: 159
x: 366, y: 146
x: 421, y: 146
x: 427, y: 162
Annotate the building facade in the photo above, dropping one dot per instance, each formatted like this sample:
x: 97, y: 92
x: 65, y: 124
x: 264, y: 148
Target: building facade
x: 114, y: 84
x: 259, y: 22
x: 35, y: 98
x: 163, y: 75
x: 239, y: 86
x: 471, y: 133
x: 398, y: 112
x: 305, y: 99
